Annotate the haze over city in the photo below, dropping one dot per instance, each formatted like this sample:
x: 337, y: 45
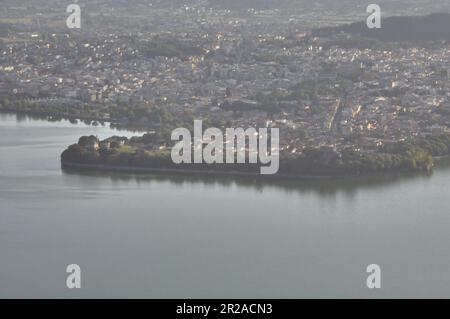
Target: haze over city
x: 136, y: 139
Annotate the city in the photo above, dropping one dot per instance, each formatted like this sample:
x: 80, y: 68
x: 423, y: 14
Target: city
x: 334, y: 93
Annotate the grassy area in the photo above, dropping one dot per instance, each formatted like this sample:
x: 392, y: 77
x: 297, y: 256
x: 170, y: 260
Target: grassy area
x: 24, y: 20
x: 162, y: 153
x: 13, y: 40
x: 126, y: 149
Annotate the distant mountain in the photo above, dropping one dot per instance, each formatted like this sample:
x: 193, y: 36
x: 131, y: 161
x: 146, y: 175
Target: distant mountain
x: 245, y: 4
x: 434, y: 27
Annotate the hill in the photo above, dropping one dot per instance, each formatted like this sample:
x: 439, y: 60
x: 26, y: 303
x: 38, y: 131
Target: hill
x: 434, y: 27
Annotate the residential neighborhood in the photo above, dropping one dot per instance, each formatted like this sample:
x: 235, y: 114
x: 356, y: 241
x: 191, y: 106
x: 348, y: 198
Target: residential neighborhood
x: 232, y: 69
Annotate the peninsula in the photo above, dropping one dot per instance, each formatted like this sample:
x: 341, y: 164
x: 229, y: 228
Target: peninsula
x: 151, y: 154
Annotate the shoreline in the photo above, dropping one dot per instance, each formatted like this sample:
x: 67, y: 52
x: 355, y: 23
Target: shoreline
x: 66, y: 116
x: 113, y: 123
x: 211, y: 173
x: 172, y: 171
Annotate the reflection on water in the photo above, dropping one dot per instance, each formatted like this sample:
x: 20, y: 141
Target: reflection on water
x: 322, y: 187
x: 24, y: 118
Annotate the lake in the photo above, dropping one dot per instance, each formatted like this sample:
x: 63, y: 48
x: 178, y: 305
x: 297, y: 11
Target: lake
x: 187, y: 237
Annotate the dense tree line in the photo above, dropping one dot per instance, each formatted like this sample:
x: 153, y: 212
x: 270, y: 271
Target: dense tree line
x: 412, y: 29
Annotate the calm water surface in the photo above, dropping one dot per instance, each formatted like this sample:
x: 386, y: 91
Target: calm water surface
x: 169, y: 237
